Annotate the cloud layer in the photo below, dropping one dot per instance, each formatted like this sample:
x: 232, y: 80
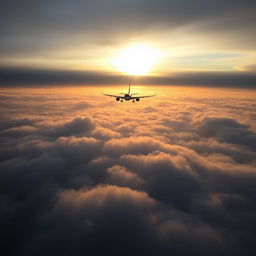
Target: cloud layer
x: 39, y: 77
x: 83, y: 174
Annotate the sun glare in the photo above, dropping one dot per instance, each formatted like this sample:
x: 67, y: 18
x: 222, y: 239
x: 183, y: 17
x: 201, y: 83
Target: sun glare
x: 136, y: 59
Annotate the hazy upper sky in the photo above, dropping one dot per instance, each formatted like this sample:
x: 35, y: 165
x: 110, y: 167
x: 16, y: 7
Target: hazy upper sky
x: 195, y: 35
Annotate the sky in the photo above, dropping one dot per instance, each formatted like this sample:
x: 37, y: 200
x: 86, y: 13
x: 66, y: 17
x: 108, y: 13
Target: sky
x: 198, y: 38
x: 84, y: 174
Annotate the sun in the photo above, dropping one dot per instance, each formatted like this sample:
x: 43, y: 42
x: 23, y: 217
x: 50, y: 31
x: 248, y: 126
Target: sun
x: 136, y: 59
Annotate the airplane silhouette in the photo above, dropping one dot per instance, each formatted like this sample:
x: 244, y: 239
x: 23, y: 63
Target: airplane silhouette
x: 128, y: 96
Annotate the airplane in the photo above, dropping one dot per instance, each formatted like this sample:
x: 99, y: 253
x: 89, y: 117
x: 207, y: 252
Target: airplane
x: 128, y: 96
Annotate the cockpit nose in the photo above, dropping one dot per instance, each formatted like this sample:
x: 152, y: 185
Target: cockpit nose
x: 126, y: 96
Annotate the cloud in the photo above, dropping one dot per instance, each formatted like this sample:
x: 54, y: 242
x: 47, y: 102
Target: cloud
x: 228, y: 130
x: 135, y: 145
x: 12, y: 77
x: 105, y: 133
x: 76, y: 126
x: 85, y: 174
x: 125, y: 18
x: 102, y: 197
x: 39, y: 77
x: 19, y: 131
x: 97, y: 210
x: 122, y: 177
x: 212, y: 126
x: 251, y: 68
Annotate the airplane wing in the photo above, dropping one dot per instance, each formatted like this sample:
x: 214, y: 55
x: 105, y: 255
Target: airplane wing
x: 116, y: 96
x: 146, y: 96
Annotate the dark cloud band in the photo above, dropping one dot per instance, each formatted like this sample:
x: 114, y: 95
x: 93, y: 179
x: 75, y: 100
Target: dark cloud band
x: 34, y: 78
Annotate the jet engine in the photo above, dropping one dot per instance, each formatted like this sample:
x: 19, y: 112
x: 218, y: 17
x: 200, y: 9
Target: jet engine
x: 117, y: 99
x: 137, y: 99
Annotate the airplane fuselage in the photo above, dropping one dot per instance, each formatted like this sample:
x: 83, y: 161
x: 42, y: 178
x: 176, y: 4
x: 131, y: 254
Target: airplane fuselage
x: 127, y: 97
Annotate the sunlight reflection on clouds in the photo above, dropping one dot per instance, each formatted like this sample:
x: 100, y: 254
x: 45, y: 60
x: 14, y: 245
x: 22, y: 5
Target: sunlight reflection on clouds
x: 177, y: 168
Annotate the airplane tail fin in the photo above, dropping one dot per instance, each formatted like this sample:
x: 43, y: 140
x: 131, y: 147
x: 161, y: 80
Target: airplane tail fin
x: 129, y: 88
